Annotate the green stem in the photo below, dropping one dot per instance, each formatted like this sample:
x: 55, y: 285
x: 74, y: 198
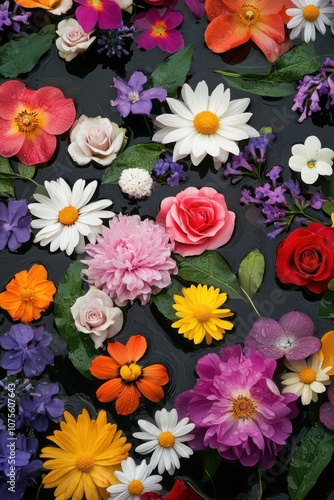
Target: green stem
x: 148, y: 126
x: 251, y: 302
x: 16, y: 176
x: 38, y: 491
x: 260, y: 483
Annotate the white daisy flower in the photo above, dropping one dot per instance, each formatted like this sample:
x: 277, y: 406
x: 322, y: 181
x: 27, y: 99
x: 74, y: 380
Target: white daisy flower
x: 205, y: 125
x: 66, y: 217
x: 136, y: 182
x: 309, y: 16
x: 311, y: 160
x: 165, y: 440
x: 306, y: 379
x: 134, y: 480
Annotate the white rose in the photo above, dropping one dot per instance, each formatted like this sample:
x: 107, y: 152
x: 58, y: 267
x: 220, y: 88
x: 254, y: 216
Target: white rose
x: 72, y: 39
x: 96, y: 139
x: 94, y: 313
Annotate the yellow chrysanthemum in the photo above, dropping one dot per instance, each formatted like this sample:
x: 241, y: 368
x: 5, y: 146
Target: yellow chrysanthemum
x: 88, y: 453
x: 200, y: 314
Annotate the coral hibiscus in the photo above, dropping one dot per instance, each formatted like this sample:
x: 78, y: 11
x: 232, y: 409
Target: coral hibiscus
x: 30, y: 119
x: 234, y: 22
x: 127, y: 380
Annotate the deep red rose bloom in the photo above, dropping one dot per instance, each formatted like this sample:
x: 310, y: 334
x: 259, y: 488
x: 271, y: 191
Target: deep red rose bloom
x: 306, y: 257
x: 179, y: 491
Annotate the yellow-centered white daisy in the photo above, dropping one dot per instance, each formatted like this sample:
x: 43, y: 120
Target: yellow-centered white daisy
x: 308, y: 17
x: 311, y: 160
x: 205, y: 124
x: 66, y: 217
x: 166, y: 440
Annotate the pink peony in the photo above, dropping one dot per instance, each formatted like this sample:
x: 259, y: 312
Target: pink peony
x: 197, y: 220
x: 130, y: 260
x: 237, y: 408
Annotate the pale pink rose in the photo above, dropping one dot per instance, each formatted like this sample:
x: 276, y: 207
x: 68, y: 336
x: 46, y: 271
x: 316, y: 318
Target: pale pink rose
x: 196, y: 220
x: 72, y: 40
x: 94, y: 313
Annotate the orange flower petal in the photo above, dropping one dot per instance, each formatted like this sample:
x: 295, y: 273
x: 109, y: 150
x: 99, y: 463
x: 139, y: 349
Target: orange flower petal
x: 128, y: 401
x: 36, y: 273
x: 214, y: 8
x: 41, y: 4
x: 104, y: 368
x: 110, y: 390
x: 136, y: 347
x: 327, y: 351
x: 57, y: 113
x: 272, y: 25
x: 224, y: 33
x: 150, y: 390
x: 38, y: 148
x: 156, y: 374
x: 119, y: 352
x: 269, y: 47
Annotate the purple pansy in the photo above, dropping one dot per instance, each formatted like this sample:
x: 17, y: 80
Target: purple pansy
x: 292, y: 337
x: 159, y: 30
x: 326, y: 414
x: 14, y: 224
x: 27, y: 350
x: 131, y: 98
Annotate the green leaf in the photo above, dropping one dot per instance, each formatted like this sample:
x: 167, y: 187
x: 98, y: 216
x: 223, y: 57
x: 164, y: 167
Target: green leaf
x: 26, y: 170
x: 312, y: 456
x: 211, y: 462
x: 137, y: 156
x: 41, y: 189
x: 326, y: 306
x: 6, y: 184
x: 251, y: 272
x: 164, y: 300
x: 20, y: 56
x: 328, y: 207
x: 331, y: 285
x: 167, y: 76
x: 210, y: 269
x: 81, y: 348
x: 281, y: 78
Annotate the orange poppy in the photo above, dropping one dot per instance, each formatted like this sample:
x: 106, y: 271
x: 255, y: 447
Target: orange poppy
x: 234, y: 22
x: 28, y: 294
x: 128, y: 380
x: 327, y: 351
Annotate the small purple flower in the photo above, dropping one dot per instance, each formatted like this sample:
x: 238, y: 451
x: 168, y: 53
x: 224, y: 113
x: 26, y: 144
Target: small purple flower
x: 131, y: 98
x: 274, y: 174
x: 27, y: 350
x: 276, y: 196
x: 258, y: 146
x: 293, y: 187
x: 159, y: 30
x: 14, y: 224
x: 13, y: 19
x: 40, y: 406
x: 291, y: 336
x: 317, y: 200
x: 326, y: 414
x: 115, y: 42
x: 168, y: 170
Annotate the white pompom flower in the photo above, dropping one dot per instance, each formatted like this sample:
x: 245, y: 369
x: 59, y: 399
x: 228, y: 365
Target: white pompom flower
x: 136, y: 182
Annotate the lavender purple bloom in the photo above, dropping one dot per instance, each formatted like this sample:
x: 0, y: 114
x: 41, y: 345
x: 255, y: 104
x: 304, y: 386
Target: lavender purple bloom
x: 40, y: 406
x: 14, y: 224
x: 169, y: 171
x: 12, y: 18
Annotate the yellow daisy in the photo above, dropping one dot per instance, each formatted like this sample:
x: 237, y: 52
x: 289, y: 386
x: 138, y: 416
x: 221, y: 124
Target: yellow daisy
x: 88, y: 453
x: 200, y: 314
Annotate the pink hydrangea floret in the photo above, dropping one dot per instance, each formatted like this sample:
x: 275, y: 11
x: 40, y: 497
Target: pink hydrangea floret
x: 130, y: 260
x: 237, y: 408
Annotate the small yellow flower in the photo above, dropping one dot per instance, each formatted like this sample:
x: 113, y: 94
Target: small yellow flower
x: 200, y: 314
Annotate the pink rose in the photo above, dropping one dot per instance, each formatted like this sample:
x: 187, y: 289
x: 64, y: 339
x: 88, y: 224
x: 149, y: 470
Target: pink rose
x: 95, y: 314
x: 197, y: 220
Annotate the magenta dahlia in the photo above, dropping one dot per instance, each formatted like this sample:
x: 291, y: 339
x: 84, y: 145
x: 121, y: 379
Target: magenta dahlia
x: 237, y: 408
x: 130, y: 260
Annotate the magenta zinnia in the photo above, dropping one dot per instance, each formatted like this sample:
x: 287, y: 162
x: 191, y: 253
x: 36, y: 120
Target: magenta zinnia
x: 131, y: 259
x: 237, y: 408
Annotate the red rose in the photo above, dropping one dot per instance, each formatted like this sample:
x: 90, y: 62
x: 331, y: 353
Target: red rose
x: 181, y: 490
x: 306, y: 257
x: 197, y: 220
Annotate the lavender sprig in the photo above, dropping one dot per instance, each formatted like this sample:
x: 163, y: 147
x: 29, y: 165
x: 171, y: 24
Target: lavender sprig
x: 115, y: 42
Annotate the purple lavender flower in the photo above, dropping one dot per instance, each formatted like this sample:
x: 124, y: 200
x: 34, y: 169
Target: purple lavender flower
x: 131, y: 98
x: 27, y: 350
x: 114, y: 42
x: 168, y: 170
x: 276, y: 196
x: 293, y: 187
x: 40, y: 406
x: 258, y: 146
x: 317, y: 200
x: 291, y: 336
x: 14, y: 224
x: 13, y: 18
x: 326, y: 413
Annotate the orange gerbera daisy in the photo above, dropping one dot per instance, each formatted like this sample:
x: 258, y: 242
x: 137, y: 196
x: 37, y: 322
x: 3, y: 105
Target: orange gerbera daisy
x: 28, y: 294
x: 128, y: 380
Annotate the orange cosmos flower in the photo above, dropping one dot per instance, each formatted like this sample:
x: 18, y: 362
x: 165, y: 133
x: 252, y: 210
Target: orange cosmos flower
x: 128, y: 380
x: 234, y: 22
x: 30, y: 119
x: 28, y: 294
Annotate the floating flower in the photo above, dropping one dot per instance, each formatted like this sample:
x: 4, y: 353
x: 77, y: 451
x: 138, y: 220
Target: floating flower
x: 291, y: 336
x: 133, y: 481
x: 130, y: 260
x: 30, y: 120
x: 165, y: 439
x: 159, y: 30
x: 311, y: 160
x: 72, y: 40
x: 326, y: 353
x: 106, y: 14
x: 66, y: 217
x: 127, y: 380
x: 205, y: 125
x: 131, y: 98
x: 85, y: 458
x: 307, y: 378
x: 27, y: 349
x: 55, y: 7
x: 136, y: 182
x: 28, y: 294
x: 41, y: 406
x: 200, y: 315
x: 14, y: 224
x: 237, y: 408
x: 308, y: 16
x: 116, y: 42
x: 234, y: 22
x: 326, y: 412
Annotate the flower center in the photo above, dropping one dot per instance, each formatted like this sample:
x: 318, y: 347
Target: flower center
x: 307, y: 376
x: 133, y: 97
x: 203, y: 313
x: 159, y: 30
x: 243, y: 407
x: 166, y: 439
x: 311, y: 163
x: 84, y: 462
x: 248, y: 14
x: 27, y: 294
x: 129, y: 373
x: 135, y: 487
x: 311, y: 13
x: 68, y: 215
x: 96, y: 4
x: 26, y: 121
x: 206, y: 122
